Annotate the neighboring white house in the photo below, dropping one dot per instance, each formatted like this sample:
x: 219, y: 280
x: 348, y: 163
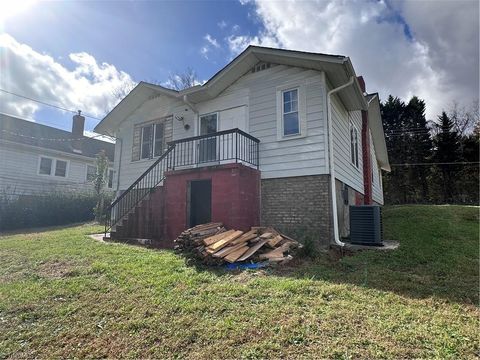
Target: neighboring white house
x: 312, y: 118
x: 36, y: 159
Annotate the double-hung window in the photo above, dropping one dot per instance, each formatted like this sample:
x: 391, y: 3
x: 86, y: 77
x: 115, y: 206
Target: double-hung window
x: 353, y: 145
x: 291, y: 111
x: 45, y: 166
x: 290, y: 118
x: 52, y: 167
x: 152, y: 140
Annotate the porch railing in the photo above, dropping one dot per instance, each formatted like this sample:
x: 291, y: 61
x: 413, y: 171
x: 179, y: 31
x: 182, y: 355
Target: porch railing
x: 217, y: 148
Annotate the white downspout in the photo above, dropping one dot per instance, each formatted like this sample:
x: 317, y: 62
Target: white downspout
x: 331, y: 161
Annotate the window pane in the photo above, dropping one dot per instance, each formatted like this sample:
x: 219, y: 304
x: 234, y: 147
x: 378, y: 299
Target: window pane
x: 147, y: 134
x: 356, y: 147
x: 91, y: 172
x: 290, y: 124
x: 294, y: 105
x: 286, y: 96
x: 60, y: 168
x: 208, y: 124
x: 294, y: 94
x: 352, y: 146
x: 287, y: 107
x: 45, y: 166
x: 158, y: 146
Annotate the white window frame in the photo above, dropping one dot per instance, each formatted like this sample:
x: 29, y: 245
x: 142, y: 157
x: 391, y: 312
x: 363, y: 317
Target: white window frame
x: 53, y: 167
x: 152, y: 142
x: 302, y: 111
x: 356, y: 157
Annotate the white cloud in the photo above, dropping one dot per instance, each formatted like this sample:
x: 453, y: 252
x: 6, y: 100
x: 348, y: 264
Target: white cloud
x: 212, y: 41
x: 439, y: 63
x: 211, y: 44
x: 222, y: 24
x: 90, y: 86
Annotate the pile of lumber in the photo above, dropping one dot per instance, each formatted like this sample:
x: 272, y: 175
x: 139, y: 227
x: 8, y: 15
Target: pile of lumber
x: 214, y: 244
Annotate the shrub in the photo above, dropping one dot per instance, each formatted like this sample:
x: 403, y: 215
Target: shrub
x: 26, y: 211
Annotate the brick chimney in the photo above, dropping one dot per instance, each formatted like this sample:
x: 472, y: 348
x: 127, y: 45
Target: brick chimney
x: 367, y: 159
x: 78, y: 125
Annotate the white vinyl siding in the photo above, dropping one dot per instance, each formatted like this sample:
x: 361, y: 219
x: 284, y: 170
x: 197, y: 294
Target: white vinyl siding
x: 342, y: 119
x: 25, y: 179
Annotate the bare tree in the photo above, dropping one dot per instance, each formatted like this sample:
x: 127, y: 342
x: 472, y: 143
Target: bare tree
x: 180, y: 81
x: 464, y: 119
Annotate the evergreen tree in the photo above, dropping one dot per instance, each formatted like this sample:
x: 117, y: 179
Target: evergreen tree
x: 393, y: 118
x: 419, y: 149
x: 447, y: 150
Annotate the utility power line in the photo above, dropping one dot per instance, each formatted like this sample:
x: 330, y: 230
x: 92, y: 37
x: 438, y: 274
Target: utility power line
x: 48, y: 104
x: 438, y: 163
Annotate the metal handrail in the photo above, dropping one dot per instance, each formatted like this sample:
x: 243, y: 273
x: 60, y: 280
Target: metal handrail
x: 221, y: 146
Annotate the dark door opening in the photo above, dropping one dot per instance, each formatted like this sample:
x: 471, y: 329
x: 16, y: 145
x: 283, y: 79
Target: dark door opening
x: 200, y: 209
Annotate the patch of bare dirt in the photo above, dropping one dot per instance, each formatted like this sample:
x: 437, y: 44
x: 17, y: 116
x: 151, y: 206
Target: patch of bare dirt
x: 56, y: 269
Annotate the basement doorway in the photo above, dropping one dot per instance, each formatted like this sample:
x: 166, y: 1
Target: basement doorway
x: 200, y: 202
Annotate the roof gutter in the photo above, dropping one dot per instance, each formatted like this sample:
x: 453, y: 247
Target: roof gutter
x: 336, y: 235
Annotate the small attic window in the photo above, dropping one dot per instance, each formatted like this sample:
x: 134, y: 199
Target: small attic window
x: 261, y: 66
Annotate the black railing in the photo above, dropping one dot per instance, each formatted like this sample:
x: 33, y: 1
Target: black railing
x: 216, y: 148
x: 212, y: 149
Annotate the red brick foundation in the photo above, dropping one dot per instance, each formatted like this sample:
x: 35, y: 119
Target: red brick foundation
x: 235, y: 197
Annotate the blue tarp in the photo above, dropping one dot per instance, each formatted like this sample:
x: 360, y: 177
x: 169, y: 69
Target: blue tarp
x: 242, y: 266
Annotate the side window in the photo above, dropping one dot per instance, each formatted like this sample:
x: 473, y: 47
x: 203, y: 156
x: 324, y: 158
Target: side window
x: 353, y: 145
x: 291, y: 123
x: 52, y: 167
x: 148, y: 141
x: 60, y: 168
x: 45, y: 166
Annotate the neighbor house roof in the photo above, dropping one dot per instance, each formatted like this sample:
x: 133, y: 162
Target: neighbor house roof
x: 26, y: 132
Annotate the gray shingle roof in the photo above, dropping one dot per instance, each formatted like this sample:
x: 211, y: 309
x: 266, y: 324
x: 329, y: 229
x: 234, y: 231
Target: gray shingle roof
x: 31, y: 133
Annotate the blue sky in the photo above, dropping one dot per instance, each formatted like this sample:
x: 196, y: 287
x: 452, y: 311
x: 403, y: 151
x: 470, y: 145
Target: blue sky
x: 146, y: 39
x: 75, y: 53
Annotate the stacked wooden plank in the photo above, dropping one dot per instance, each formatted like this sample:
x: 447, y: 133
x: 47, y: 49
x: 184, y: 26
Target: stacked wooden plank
x: 215, y: 245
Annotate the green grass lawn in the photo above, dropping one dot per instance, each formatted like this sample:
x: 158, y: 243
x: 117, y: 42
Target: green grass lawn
x: 63, y: 294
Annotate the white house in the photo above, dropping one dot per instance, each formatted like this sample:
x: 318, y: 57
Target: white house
x: 310, y: 143
x: 36, y: 159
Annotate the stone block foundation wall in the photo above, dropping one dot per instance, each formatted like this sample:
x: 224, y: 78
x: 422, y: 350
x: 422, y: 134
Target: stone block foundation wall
x: 298, y: 204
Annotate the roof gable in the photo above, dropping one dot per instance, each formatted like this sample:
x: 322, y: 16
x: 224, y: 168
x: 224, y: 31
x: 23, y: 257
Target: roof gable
x: 338, y: 69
